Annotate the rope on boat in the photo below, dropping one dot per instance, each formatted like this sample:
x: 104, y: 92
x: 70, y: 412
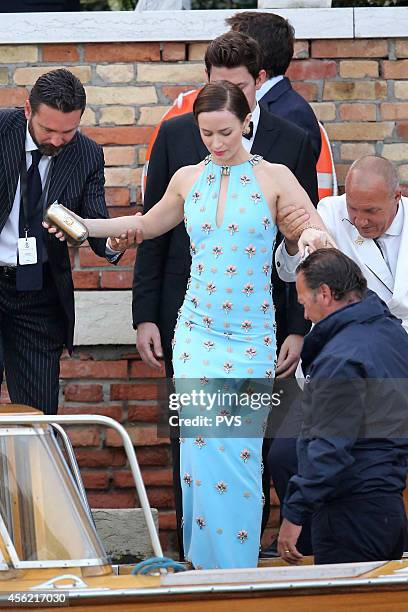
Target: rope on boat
x: 154, y: 564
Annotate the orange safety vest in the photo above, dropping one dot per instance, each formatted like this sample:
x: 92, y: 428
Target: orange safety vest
x: 326, y: 174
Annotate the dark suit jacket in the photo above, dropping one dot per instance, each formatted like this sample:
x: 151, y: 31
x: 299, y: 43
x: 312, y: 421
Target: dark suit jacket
x: 77, y: 181
x: 163, y: 264
x: 38, y: 6
x: 285, y: 102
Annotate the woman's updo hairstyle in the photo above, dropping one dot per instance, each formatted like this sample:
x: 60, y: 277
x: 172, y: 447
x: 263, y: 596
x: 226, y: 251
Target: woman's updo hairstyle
x: 219, y: 96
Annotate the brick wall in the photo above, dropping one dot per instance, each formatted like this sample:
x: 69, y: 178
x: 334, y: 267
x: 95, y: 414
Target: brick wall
x: 358, y: 88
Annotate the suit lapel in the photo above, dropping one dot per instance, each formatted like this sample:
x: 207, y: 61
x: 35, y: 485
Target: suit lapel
x: 370, y: 255
x: 64, y: 166
x: 13, y: 147
x: 276, y: 91
x: 265, y: 136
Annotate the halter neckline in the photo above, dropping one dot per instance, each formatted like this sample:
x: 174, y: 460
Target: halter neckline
x: 226, y: 170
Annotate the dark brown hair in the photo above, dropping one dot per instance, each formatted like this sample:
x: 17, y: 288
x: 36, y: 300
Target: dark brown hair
x: 275, y: 35
x: 333, y: 268
x: 232, y: 50
x: 59, y: 89
x: 219, y: 96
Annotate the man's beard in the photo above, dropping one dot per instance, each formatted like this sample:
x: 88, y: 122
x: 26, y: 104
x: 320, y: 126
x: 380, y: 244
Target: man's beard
x: 45, y: 149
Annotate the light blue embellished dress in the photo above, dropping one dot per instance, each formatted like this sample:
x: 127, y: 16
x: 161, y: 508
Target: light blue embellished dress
x: 225, y: 334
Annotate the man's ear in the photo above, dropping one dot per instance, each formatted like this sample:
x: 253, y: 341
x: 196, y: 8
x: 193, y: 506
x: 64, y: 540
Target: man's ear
x: 261, y: 78
x: 27, y: 110
x: 325, y: 294
x: 207, y: 75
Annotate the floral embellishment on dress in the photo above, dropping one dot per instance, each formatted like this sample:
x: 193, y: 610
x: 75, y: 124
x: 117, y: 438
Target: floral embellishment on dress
x: 204, y: 380
x: 199, y: 441
x: 232, y: 228
x: 231, y: 271
x: 217, y: 251
x: 193, y: 249
x: 266, y: 269
x: 207, y: 321
x: 245, y: 455
x: 187, y: 479
x: 246, y: 325
x: 206, y: 228
x: 256, y: 197
x: 242, y: 536
x: 248, y: 289
x: 228, y: 367
x: 227, y: 306
x: 185, y: 357
x: 250, y: 352
x: 266, y: 222
x: 195, y: 302
x: 265, y: 306
x: 245, y: 180
x: 196, y: 196
x: 224, y: 412
x: 234, y: 248
x: 189, y: 325
x: 263, y: 499
x: 200, y: 522
x: 269, y: 374
x: 210, y: 288
x: 221, y: 487
x: 267, y: 341
x: 250, y: 250
x: 210, y: 178
x: 246, y: 494
x: 209, y: 345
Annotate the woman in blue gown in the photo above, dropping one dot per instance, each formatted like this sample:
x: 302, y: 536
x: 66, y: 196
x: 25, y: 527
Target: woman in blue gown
x: 225, y: 333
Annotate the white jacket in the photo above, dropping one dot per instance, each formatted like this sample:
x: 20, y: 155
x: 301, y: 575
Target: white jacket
x: 364, y: 252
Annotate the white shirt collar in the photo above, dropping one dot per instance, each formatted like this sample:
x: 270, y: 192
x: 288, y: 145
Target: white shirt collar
x: 255, y: 117
x: 267, y: 86
x: 396, y: 226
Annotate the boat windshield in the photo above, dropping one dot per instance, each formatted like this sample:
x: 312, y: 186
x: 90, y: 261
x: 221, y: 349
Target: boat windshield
x: 43, y: 522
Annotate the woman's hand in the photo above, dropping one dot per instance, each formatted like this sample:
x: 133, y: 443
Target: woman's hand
x: 313, y: 238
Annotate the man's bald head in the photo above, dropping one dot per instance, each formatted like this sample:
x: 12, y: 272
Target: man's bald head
x: 372, y: 195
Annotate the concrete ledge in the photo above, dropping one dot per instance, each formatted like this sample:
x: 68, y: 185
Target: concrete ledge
x: 103, y: 317
x: 124, y: 533
x: 381, y: 22
x: 149, y: 26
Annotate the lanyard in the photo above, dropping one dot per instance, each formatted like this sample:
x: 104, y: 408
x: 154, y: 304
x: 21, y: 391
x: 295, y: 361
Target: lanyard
x: 23, y: 190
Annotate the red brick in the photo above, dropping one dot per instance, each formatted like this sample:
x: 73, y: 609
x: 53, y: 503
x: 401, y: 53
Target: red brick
x: 138, y: 369
x: 119, y: 135
x: 153, y: 455
x: 95, y: 480
x: 394, y: 110
x: 88, y: 259
x: 85, y: 279
x: 129, y: 391
x: 402, y: 129
x: 172, y: 91
x: 101, y: 458
x: 162, y: 497
x: 83, y: 393
x: 112, y: 499
x: 144, y: 413
x: 60, y: 53
x: 358, y: 112
x: 117, y: 279
x: 309, y: 91
x: 350, y: 48
x: 167, y: 520
x: 114, y: 411
x: 117, y: 196
x: 122, y: 52
x: 128, y: 258
x: 140, y: 436
x: 300, y: 70
x: 301, y: 50
x: 151, y: 477
x: 395, y: 69
x: 72, y: 251
x: 93, y: 369
x: 84, y: 436
x: 12, y: 96
x: 173, y: 52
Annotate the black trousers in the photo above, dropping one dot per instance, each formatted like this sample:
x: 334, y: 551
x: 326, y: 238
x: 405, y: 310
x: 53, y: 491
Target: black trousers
x: 353, y: 530
x: 32, y: 328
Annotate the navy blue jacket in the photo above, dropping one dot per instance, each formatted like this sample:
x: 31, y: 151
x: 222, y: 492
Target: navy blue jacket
x: 353, y: 441
x: 285, y: 102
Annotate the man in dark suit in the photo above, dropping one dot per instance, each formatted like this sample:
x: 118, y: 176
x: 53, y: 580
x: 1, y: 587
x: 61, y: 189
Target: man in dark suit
x: 163, y: 264
x: 43, y: 158
x: 276, y: 37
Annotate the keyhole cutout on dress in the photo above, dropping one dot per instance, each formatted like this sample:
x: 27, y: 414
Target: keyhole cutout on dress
x: 222, y: 199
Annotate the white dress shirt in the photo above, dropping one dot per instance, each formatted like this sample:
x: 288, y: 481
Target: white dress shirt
x: 248, y: 142
x: 10, y: 234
